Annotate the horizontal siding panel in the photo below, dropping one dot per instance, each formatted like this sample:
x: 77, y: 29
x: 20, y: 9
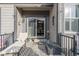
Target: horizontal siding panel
x: 7, y: 19
x: 9, y: 14
x: 10, y: 18
x: 7, y: 11
x: 6, y: 5
x: 7, y: 24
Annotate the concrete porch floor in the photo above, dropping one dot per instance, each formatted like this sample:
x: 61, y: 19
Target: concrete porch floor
x: 38, y: 49
x: 33, y: 49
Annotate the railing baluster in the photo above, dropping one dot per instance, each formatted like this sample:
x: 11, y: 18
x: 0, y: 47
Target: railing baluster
x: 60, y: 37
x: 74, y: 45
x: 13, y: 36
x: 64, y: 44
x: 69, y: 44
x: 1, y: 42
x: 4, y: 38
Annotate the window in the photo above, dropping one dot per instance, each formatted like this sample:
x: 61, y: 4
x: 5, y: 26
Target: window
x: 71, y: 17
x: 67, y: 24
x: 36, y: 27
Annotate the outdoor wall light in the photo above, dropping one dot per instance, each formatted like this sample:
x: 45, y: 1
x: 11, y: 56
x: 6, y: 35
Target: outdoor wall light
x: 53, y: 20
x: 19, y: 23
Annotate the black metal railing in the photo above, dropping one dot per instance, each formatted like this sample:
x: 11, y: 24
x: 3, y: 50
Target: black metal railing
x: 20, y: 52
x: 6, y: 40
x: 67, y: 44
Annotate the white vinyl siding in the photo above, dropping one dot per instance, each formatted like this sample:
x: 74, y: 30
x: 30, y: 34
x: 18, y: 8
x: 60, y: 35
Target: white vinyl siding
x: 7, y: 19
x: 0, y: 20
x: 61, y: 18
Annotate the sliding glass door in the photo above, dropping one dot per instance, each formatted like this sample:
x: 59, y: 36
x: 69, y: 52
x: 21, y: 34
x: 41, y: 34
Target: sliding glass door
x: 36, y: 27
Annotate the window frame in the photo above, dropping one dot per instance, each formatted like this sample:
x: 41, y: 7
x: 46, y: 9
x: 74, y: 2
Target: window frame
x: 70, y: 20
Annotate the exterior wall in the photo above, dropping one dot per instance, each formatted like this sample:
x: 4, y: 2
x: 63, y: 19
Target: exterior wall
x: 7, y: 18
x: 36, y: 14
x: 0, y: 20
x: 22, y: 13
x: 61, y: 25
x: 60, y: 18
x: 19, y: 21
x: 53, y: 28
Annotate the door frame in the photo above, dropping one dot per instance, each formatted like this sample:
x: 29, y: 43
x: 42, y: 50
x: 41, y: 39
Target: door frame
x: 36, y: 26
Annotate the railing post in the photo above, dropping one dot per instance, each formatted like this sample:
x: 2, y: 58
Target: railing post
x: 13, y: 37
x: 74, y: 45
x: 59, y: 42
x: 59, y: 39
x: 1, y: 42
x: 4, y: 43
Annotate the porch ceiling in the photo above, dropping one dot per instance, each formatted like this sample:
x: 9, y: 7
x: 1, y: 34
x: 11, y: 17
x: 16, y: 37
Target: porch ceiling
x: 34, y: 6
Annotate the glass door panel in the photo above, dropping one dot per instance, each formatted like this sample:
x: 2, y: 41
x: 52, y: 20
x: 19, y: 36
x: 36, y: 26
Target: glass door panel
x: 31, y: 27
x: 36, y: 27
x: 40, y: 28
